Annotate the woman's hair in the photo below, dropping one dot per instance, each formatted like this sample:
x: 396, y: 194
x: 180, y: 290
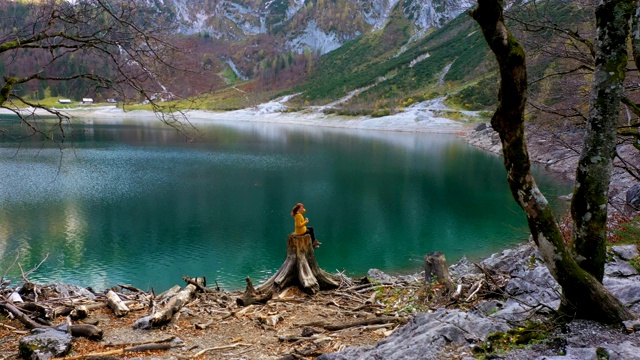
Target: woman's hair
x: 296, y: 208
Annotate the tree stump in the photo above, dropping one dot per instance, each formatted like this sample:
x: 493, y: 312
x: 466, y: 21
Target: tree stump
x: 300, y: 268
x: 435, y: 268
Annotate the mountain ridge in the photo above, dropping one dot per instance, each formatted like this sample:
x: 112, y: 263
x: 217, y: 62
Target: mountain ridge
x: 303, y: 23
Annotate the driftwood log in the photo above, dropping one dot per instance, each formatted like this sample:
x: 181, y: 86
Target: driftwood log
x: 165, y: 314
x: 116, y: 304
x: 300, y: 268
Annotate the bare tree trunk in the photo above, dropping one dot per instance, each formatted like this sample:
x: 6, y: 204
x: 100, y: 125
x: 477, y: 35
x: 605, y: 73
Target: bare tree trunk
x: 585, y: 293
x: 591, y: 193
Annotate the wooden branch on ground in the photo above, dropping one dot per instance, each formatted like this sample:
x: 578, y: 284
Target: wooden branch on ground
x: 131, y: 344
x: 22, y: 317
x: 130, y: 288
x: 165, y: 314
x: 224, y: 347
x: 168, y: 293
x: 198, y: 283
x: 363, y: 322
x: 475, y: 288
x: 302, y: 338
x: 137, y: 348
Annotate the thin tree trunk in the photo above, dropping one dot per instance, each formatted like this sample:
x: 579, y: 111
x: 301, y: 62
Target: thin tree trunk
x: 582, y: 291
x: 591, y: 193
x: 635, y: 32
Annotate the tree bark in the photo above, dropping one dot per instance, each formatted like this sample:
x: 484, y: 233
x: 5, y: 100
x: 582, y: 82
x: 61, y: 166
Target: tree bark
x: 584, y: 293
x: 593, y: 175
x: 300, y: 268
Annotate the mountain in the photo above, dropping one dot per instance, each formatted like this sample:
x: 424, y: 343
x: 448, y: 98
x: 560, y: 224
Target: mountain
x: 317, y: 25
x: 354, y: 57
x: 266, y: 47
x: 386, y: 70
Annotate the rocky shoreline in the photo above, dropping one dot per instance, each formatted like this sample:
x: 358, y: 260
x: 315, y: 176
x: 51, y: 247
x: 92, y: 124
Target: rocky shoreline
x: 503, y: 294
x: 529, y: 294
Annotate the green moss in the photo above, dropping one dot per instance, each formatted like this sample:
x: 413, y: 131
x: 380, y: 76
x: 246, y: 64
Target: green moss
x: 635, y: 262
x: 502, y: 342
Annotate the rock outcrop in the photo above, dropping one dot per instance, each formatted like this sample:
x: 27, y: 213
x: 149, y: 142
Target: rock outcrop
x: 531, y: 292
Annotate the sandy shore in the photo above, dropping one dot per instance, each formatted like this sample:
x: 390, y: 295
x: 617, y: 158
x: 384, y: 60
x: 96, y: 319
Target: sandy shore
x: 423, y: 117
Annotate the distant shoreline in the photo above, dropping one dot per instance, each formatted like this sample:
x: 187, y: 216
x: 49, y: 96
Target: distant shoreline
x: 418, y: 119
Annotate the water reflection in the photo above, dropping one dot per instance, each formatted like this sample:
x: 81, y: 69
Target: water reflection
x: 139, y: 203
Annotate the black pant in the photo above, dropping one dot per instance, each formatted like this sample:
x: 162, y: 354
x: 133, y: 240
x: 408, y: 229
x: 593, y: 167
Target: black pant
x: 310, y: 232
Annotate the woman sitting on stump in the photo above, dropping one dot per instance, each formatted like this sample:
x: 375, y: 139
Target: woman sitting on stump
x: 300, y: 224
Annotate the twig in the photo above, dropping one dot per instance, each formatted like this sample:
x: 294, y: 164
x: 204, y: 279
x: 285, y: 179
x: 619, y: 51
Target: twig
x: 477, y: 286
x: 351, y: 297
x: 224, y: 347
x: 159, y: 341
x: 8, y: 326
x: 144, y: 347
x: 25, y: 275
x: 130, y: 288
x: 371, y: 321
x: 15, y: 261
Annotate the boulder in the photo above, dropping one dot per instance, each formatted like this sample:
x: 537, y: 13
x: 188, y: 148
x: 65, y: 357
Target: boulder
x: 482, y: 126
x: 45, y: 343
x: 625, y: 252
x: 633, y: 197
x: 426, y: 336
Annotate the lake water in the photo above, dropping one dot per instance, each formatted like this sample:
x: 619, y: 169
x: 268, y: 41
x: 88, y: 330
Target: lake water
x: 133, y: 202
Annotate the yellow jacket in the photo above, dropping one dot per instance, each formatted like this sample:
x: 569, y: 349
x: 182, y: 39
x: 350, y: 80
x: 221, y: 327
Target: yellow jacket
x: 300, y: 223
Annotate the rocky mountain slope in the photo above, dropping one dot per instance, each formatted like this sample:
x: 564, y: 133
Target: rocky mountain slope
x: 317, y: 25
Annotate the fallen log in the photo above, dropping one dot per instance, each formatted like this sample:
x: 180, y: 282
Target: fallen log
x: 300, y: 269
x: 165, y: 314
x: 80, y: 312
x: 88, y: 331
x: 22, y: 317
x: 116, y: 304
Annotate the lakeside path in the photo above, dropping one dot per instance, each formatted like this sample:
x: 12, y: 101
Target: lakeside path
x: 425, y: 117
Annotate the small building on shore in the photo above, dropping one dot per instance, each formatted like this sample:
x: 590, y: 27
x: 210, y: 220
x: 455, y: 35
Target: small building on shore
x: 64, y: 101
x: 87, y: 101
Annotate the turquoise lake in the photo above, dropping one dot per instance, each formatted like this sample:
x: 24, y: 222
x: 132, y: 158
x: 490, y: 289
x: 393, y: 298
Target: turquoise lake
x: 134, y: 202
